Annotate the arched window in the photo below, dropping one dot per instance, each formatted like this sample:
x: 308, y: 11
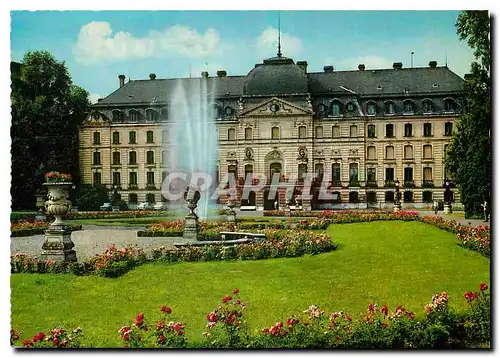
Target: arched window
x: 389, y: 152
x: 231, y: 134
x: 133, y: 115
x: 408, y: 106
x: 275, y: 133
x: 321, y: 109
x: 150, y: 157
x: 427, y: 106
x: 336, y: 173
x: 449, y: 105
x: 335, y: 131
x: 389, y: 130
x: 389, y: 107
x: 336, y: 108
x: 427, y: 174
x: 151, y: 115
x: 354, y: 131
x: 371, y: 108
x: 408, y: 152
x: 353, y: 197
x: 302, y: 132
x: 319, y: 132
x: 371, y: 131
x: 302, y: 171
x: 350, y: 107
x: 97, y: 138
x: 274, y: 168
x: 371, y: 153
x: 319, y: 171
x: 448, y: 128
x: 353, y: 174
x: 132, y: 158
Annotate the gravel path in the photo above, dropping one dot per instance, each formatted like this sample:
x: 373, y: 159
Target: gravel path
x: 93, y: 240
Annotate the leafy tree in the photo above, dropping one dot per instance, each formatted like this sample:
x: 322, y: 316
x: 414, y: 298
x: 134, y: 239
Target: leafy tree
x: 46, y: 111
x: 469, y: 157
x: 90, y: 197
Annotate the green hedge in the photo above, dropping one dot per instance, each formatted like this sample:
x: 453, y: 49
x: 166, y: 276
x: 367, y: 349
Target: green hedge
x: 38, y: 231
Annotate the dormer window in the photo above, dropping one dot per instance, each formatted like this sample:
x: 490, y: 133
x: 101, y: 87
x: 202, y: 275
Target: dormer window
x: 371, y: 108
x: 321, y: 109
x: 151, y: 115
x: 449, y: 105
x: 408, y: 107
x: 389, y: 108
x: 164, y: 114
x: 217, y: 111
x: 133, y: 115
x: 117, y: 116
x: 228, y: 111
x: 336, y: 108
x: 427, y: 106
x: 350, y: 107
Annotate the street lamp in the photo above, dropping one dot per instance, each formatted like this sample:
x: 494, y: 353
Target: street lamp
x: 397, y: 203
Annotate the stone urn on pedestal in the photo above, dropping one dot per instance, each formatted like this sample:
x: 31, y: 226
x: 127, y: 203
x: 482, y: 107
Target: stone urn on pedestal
x: 58, y: 245
x: 191, y: 224
x: 397, y: 202
x: 231, y: 215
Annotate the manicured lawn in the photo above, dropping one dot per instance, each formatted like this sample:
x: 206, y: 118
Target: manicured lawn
x: 387, y: 262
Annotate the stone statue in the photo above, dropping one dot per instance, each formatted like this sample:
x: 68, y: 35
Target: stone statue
x: 191, y: 226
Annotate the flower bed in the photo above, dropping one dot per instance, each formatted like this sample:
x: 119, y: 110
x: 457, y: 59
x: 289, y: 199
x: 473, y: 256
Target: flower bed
x: 56, y: 177
x: 28, y: 228
x: 378, y: 327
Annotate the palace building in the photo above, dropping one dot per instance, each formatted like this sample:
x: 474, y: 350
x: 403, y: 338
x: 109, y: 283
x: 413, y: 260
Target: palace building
x: 360, y: 130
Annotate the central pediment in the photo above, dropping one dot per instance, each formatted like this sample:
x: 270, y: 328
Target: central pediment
x: 276, y: 107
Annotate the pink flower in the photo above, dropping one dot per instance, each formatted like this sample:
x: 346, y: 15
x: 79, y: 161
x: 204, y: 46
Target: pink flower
x: 483, y: 286
x: 227, y: 299
x: 236, y: 291
x: 165, y: 309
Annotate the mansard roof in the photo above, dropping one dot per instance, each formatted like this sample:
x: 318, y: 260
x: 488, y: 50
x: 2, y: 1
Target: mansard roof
x: 286, y: 78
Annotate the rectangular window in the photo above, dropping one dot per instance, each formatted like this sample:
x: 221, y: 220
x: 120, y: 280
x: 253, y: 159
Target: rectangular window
x: 408, y: 174
x: 408, y: 152
x: 132, y: 178
x: 389, y: 130
x: 248, y: 133
x: 302, y: 170
x: 427, y: 129
x: 116, y: 178
x: 150, y: 178
x: 275, y: 133
x: 150, y: 198
x: 132, y: 137
x: 97, y: 158
x: 408, y: 130
x: 150, y: 157
x: 389, y: 152
x: 116, y: 138
x: 371, y: 153
x: 354, y: 131
x: 164, y: 157
x: 302, y: 132
x: 336, y: 172
x: 427, y: 174
x: 132, y: 198
x: 353, y: 173
x: 448, y: 128
x: 149, y: 137
x: 371, y: 174
x: 97, y: 178
x: 371, y: 131
x: 319, y: 132
x: 319, y: 170
x: 335, y: 131
x: 389, y: 174
x: 116, y: 158
x: 164, y: 136
x: 231, y: 134
x: 427, y: 151
x: 132, y: 158
x: 97, y: 138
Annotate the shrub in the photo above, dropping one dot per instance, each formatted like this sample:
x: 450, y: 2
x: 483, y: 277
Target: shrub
x: 29, y: 228
x: 115, y: 262
x: 56, y: 338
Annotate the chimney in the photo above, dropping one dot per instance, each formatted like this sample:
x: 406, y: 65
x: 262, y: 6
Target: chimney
x: 221, y: 73
x: 122, y: 80
x: 361, y: 67
x: 303, y: 65
x: 204, y: 74
x: 397, y: 65
x: 328, y: 69
x: 152, y: 76
x: 433, y: 64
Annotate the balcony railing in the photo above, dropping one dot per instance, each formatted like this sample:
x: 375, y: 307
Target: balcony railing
x: 150, y: 186
x: 353, y: 182
x: 371, y: 184
x: 427, y: 184
x: 336, y: 183
x: 389, y: 184
x: 409, y: 184
x: 133, y: 186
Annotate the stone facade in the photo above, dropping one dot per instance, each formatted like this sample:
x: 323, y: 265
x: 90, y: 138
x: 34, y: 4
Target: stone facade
x: 361, y: 130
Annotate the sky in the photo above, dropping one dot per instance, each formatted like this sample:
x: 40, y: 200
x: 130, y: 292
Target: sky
x: 97, y: 46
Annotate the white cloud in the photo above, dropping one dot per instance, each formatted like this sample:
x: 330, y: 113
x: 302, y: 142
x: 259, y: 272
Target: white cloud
x: 267, y: 43
x: 96, y: 42
x: 93, y: 97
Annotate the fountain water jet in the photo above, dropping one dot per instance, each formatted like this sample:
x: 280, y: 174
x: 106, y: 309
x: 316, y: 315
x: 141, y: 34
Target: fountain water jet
x: 192, y: 140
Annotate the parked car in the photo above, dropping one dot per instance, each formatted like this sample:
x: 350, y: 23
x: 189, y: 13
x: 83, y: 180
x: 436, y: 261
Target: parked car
x: 144, y: 206
x: 106, y: 207
x: 160, y: 206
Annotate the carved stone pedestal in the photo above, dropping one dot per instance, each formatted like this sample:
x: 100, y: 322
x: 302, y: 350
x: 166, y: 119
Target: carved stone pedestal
x: 397, y: 207
x: 191, y: 228
x: 447, y: 209
x: 231, y: 216
x: 58, y: 246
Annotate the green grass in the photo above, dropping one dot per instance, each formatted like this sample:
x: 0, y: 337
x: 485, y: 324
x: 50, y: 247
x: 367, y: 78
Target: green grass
x: 387, y: 262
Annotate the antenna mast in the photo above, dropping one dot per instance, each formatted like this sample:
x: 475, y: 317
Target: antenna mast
x: 279, y: 34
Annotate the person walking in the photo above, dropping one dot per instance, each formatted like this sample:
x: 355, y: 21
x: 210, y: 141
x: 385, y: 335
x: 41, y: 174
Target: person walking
x: 486, y: 210
x: 435, y: 207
